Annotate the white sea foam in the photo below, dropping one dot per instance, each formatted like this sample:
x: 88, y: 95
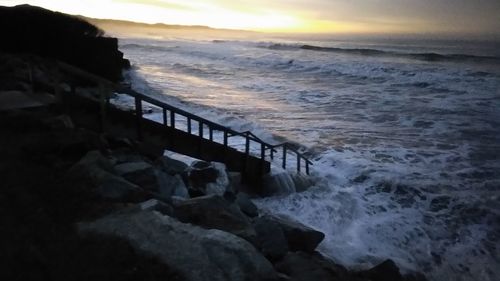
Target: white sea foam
x: 406, y: 151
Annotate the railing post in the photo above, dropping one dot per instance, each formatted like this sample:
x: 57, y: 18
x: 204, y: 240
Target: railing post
x: 307, y: 167
x: 225, y: 138
x: 247, y: 145
x: 284, y: 157
x: 272, y: 152
x: 138, y: 116
x: 165, y: 117
x: 298, y: 163
x: 200, y: 129
x: 210, y: 133
x: 262, y: 151
x: 172, y: 119
x: 189, y: 125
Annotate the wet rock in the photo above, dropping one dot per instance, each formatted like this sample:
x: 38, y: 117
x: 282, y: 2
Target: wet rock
x: 99, y: 170
x: 171, y: 185
x: 213, y: 211
x: 246, y: 205
x: 116, y: 188
x: 301, y: 266
x: 386, y: 270
x: 139, y: 173
x: 198, y: 254
x: 171, y: 166
x: 271, y: 240
x: 132, y: 167
x: 207, y: 178
x: 299, y: 236
x: 277, y: 184
x: 301, y: 182
x: 156, y: 205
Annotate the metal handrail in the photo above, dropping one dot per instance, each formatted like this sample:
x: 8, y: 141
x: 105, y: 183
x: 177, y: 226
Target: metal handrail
x: 212, y: 126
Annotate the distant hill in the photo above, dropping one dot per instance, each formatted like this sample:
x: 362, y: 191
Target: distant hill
x: 99, y: 22
x: 122, y: 28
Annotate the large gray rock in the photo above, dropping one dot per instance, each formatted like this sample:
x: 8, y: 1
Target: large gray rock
x: 302, y: 182
x: 140, y: 173
x: 277, y: 184
x: 208, y: 178
x: 213, y: 211
x: 171, y: 166
x: 171, y: 185
x: 386, y: 270
x: 271, y: 240
x: 246, y: 205
x: 301, y: 266
x: 299, y: 236
x: 99, y: 170
x: 132, y: 167
x: 198, y: 254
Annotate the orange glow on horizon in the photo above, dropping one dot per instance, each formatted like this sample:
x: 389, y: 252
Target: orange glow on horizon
x: 299, y: 16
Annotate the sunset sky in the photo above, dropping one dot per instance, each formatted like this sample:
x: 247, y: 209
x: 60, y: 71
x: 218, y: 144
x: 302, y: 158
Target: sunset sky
x: 344, y: 16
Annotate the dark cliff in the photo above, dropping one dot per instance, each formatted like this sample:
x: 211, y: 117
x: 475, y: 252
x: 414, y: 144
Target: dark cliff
x: 29, y: 29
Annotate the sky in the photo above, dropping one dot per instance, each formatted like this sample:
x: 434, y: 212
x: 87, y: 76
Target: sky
x: 475, y: 17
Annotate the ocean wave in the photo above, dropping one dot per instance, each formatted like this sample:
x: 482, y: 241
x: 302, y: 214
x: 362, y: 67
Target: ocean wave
x: 431, y: 57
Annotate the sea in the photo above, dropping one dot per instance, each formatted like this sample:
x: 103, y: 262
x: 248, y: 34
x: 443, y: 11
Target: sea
x: 403, y: 133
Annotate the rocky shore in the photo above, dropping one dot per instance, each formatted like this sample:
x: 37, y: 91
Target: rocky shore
x: 82, y: 205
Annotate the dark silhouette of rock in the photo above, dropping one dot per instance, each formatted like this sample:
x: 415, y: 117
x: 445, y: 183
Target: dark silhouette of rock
x: 29, y: 29
x: 300, y: 266
x: 386, y: 270
x: 271, y: 240
x: 213, y: 212
x: 299, y: 236
x: 198, y: 254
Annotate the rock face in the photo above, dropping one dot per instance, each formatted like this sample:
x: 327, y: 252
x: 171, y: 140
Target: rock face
x: 99, y: 170
x: 213, y: 211
x: 278, y: 184
x: 299, y: 236
x: 29, y: 29
x: 271, y: 240
x: 198, y: 254
x: 387, y: 270
x: 300, y: 266
x: 208, y: 178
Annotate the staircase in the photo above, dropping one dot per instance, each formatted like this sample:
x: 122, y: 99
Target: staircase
x: 196, y: 139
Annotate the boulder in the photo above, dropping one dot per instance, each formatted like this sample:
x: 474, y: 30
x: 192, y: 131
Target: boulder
x: 300, y: 266
x: 246, y: 205
x: 171, y: 185
x: 116, y: 188
x: 99, y: 170
x: 132, y: 167
x: 93, y: 159
x: 171, y: 166
x: 198, y: 254
x: 212, y: 211
x: 301, y: 182
x: 208, y: 178
x: 277, y: 184
x: 156, y: 205
x: 299, y: 236
x: 271, y: 240
x: 386, y: 270
x: 139, y: 173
